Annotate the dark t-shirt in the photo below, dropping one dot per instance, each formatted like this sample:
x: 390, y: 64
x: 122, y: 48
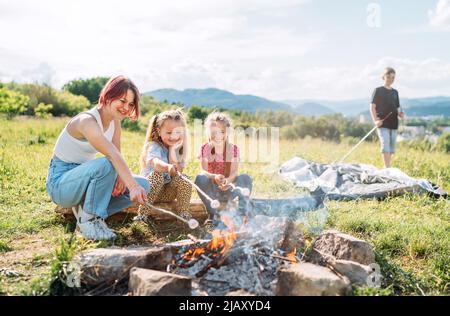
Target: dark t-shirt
x: 386, y: 101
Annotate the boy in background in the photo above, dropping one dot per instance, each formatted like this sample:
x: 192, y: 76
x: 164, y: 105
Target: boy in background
x: 384, y: 109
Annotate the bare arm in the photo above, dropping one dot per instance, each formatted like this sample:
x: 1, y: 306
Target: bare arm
x: 217, y: 178
x: 176, y: 159
x: 204, y: 163
x: 373, y: 113
x: 119, y: 186
x: 117, y: 134
x: 233, y: 171
x: 159, y: 165
x: 89, y: 128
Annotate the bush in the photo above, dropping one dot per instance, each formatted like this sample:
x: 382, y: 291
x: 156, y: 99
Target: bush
x: 43, y: 110
x: 197, y: 112
x: 443, y: 143
x: 12, y: 103
x: 64, y: 103
x: 89, y: 88
x: 419, y: 144
x: 149, y: 106
x: 133, y: 126
x: 36, y: 93
x: 69, y: 104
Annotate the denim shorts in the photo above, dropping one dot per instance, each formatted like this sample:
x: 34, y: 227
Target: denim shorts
x: 388, y: 139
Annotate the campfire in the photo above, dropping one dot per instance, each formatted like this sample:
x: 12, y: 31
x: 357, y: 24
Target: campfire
x: 219, y: 245
x: 239, y: 257
x: 254, y: 253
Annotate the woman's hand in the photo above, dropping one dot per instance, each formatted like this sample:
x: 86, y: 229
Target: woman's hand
x: 119, y: 187
x: 138, y: 195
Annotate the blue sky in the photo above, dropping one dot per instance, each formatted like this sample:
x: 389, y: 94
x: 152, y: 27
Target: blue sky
x: 285, y: 49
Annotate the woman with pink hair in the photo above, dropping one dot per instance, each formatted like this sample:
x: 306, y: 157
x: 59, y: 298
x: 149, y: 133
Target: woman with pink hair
x: 96, y: 188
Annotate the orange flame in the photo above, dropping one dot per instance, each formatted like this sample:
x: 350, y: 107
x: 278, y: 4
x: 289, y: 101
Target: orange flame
x: 291, y: 256
x: 219, y: 244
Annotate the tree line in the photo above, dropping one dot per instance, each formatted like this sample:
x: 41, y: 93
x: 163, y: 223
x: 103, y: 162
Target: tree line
x: 79, y: 95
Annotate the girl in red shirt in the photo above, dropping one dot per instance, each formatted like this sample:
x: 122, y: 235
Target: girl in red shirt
x: 220, y: 162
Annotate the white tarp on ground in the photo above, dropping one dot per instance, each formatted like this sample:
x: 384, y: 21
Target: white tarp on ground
x: 353, y: 181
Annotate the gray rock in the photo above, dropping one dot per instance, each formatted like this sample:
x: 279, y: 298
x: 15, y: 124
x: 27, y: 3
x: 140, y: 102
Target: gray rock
x: 357, y: 273
x: 239, y: 293
x: 343, y: 246
x: 145, y: 282
x: 106, y: 265
x: 307, y: 279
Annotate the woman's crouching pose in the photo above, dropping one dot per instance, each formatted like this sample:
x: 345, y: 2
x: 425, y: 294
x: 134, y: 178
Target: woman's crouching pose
x: 97, y: 188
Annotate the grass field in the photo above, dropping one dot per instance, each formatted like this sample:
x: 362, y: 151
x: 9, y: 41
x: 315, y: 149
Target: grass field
x: 411, y: 234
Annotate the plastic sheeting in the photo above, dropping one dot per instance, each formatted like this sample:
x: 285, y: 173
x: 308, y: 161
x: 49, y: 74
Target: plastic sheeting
x: 353, y: 181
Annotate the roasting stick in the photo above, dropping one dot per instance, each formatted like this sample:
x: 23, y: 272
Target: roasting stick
x: 192, y: 223
x: 214, y: 203
x: 360, y: 142
x: 244, y: 191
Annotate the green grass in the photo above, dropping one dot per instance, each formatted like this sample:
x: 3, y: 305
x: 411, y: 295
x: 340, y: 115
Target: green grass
x: 4, y: 246
x: 410, y: 233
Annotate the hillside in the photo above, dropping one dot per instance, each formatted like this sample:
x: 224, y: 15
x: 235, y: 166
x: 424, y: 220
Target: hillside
x: 212, y: 97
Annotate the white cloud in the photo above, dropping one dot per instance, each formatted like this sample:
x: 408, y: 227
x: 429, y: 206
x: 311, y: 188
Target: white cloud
x: 440, y: 16
x: 192, y: 44
x: 83, y: 38
x: 415, y: 78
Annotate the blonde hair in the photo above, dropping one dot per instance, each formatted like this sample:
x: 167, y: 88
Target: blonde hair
x: 387, y: 71
x: 153, y: 134
x: 226, y: 120
x: 217, y: 117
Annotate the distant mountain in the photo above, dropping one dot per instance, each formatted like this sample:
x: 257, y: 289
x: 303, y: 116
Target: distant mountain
x: 430, y: 106
x: 429, y: 101
x: 346, y: 107
x: 440, y: 108
x: 310, y: 108
x: 212, y: 97
x: 412, y: 106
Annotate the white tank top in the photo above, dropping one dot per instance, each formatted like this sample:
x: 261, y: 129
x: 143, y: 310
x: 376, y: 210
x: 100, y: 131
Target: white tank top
x: 72, y: 150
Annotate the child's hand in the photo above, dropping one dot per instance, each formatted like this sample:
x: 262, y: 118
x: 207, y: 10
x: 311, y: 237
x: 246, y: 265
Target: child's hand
x: 219, y: 179
x: 180, y: 167
x: 401, y: 114
x: 378, y: 123
x: 119, y: 187
x: 177, y: 145
x: 224, y: 186
x: 172, y: 170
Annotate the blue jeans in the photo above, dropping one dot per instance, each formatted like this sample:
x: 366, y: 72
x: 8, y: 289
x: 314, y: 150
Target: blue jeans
x: 90, y: 183
x: 388, y: 139
x: 211, y: 188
